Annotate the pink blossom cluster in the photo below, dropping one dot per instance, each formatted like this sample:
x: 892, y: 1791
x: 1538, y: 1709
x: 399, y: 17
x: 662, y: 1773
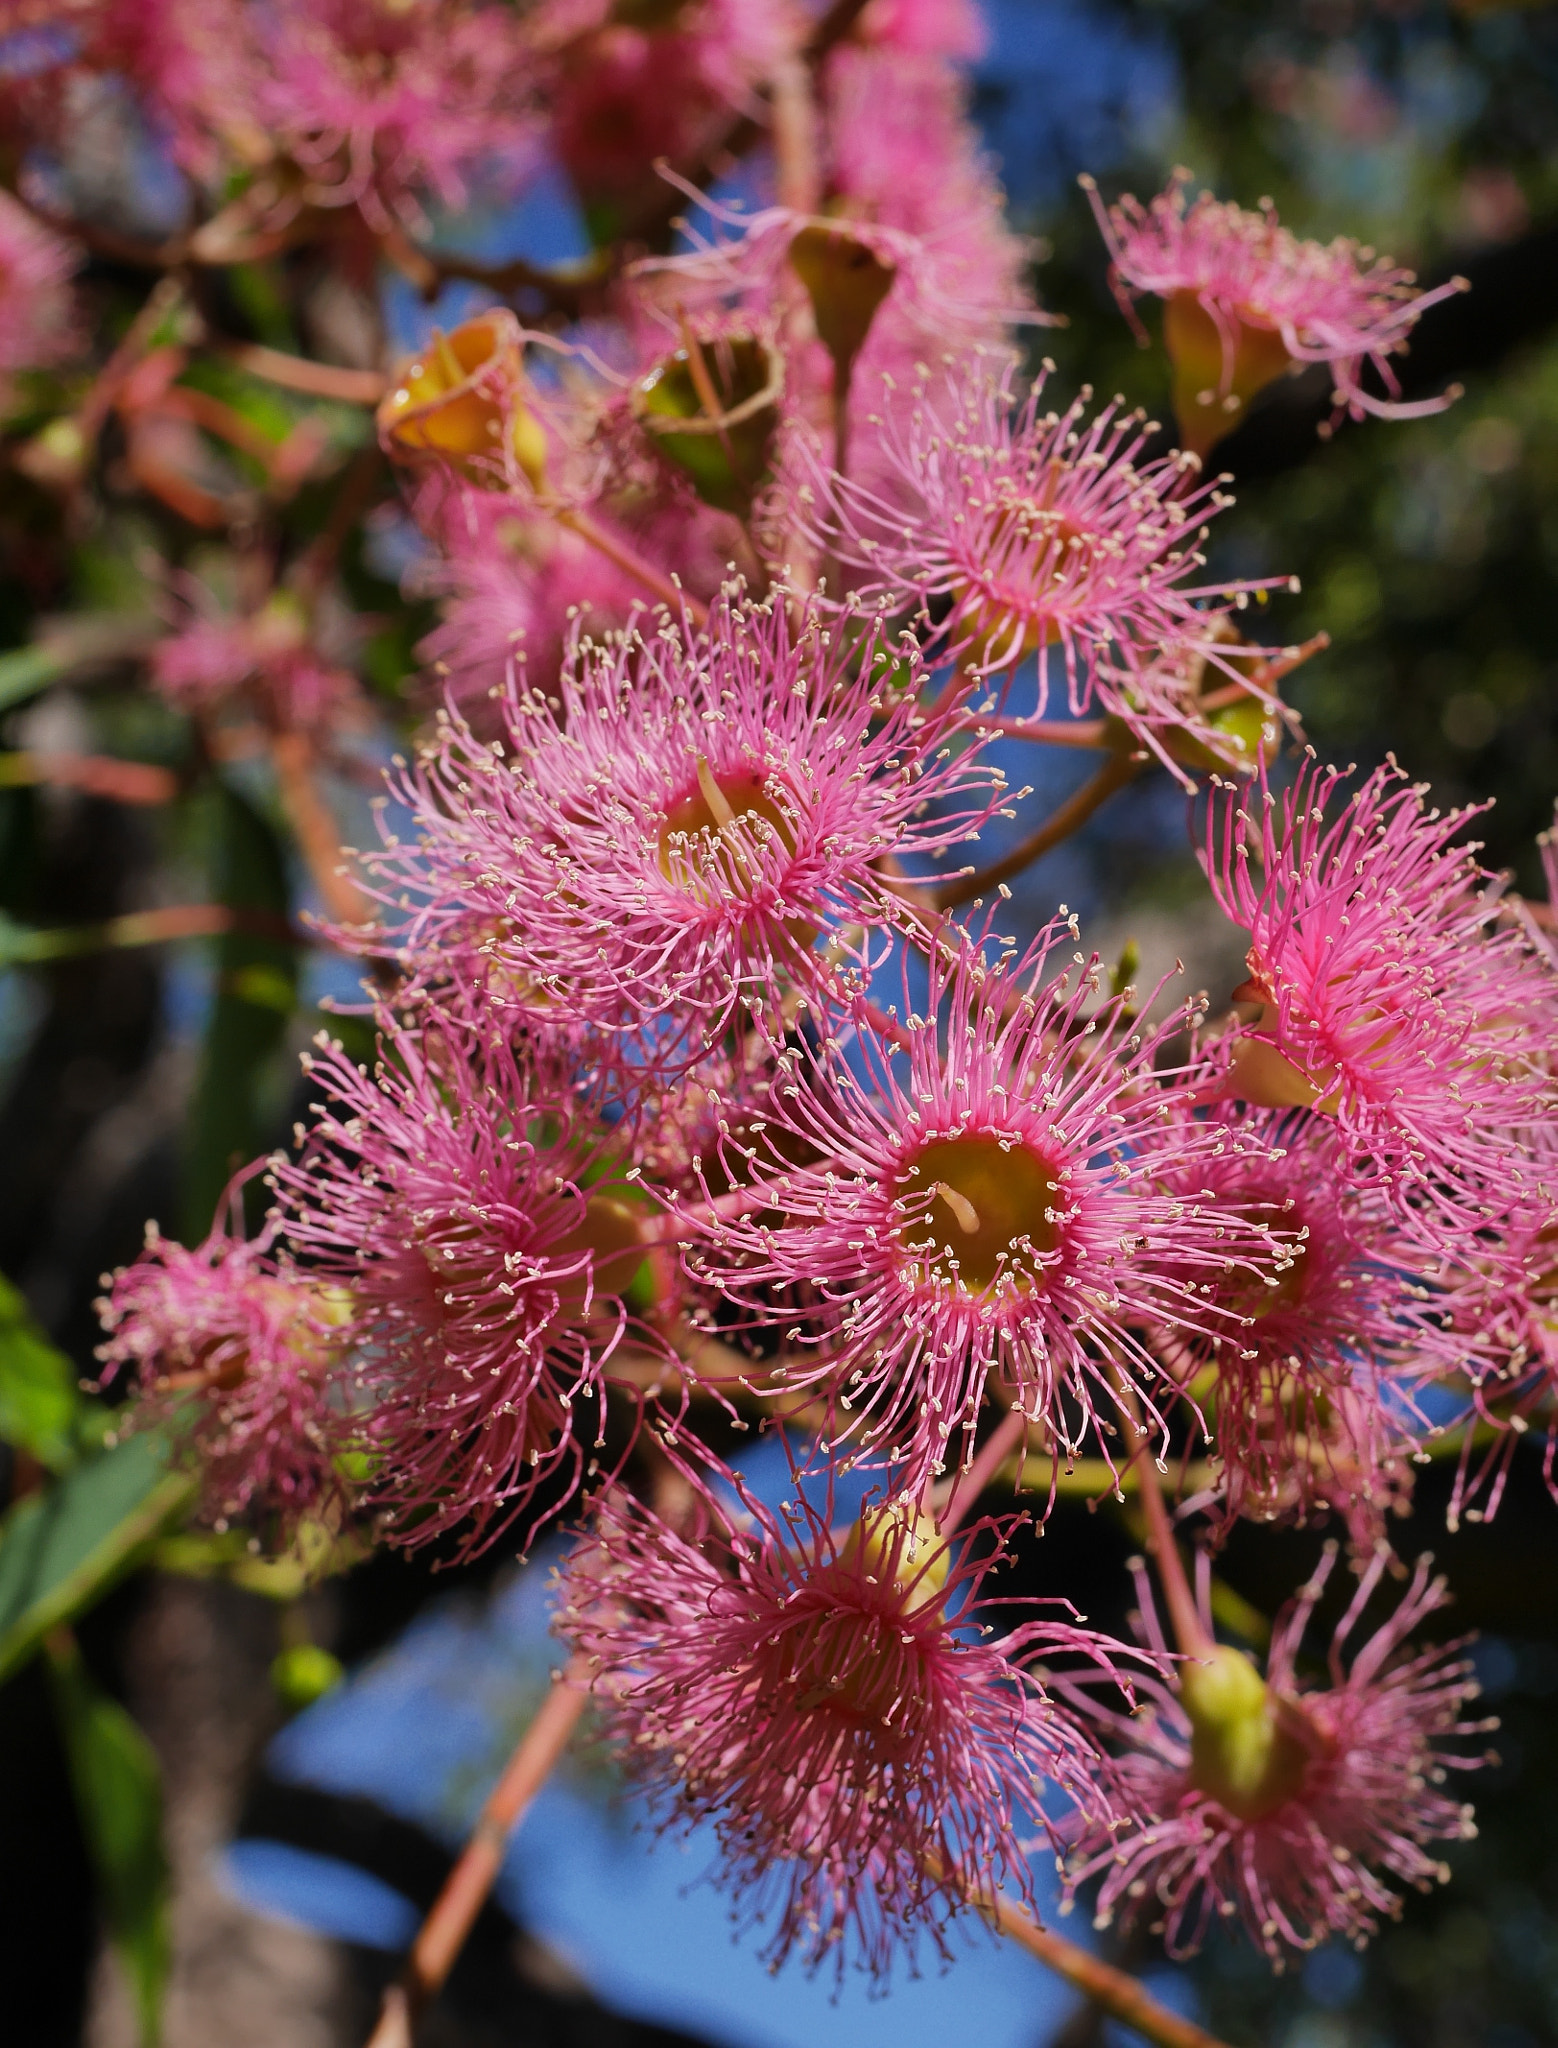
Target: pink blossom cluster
x: 695, y: 1109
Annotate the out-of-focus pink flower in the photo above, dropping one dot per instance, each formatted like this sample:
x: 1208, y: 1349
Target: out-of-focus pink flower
x: 899, y: 152
x: 1390, y: 995
x: 668, y: 836
x: 384, y: 105
x: 1020, y: 530
x: 1246, y: 299
x: 627, y: 95
x: 37, y: 320
x: 463, y: 1198
x: 519, y: 596
x: 1001, y: 1197
x: 265, y: 660
x: 924, y: 28
x: 1300, y: 1808
x: 869, y: 1761
x: 244, y: 1352
x: 190, y: 63
x: 1497, y: 1311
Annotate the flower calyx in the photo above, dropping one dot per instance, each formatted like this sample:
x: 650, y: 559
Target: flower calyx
x: 1249, y: 1746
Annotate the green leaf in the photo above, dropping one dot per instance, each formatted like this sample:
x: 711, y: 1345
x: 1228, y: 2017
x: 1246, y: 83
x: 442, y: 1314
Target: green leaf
x: 24, y: 671
x: 256, y: 992
x: 39, y: 1400
x: 61, y: 1549
x: 118, y: 1786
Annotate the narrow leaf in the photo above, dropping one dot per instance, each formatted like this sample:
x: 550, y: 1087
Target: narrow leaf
x: 118, y: 1786
x: 39, y: 1400
x: 62, y: 1549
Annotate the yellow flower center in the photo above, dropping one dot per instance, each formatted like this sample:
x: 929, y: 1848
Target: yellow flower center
x: 698, y: 826
x: 994, y: 1215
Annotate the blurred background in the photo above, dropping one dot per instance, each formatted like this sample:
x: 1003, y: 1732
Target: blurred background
x: 310, y: 1815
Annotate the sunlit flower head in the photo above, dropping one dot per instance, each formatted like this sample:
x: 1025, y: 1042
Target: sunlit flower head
x: 1310, y: 1395
x: 1246, y: 299
x: 1018, y: 530
x: 1386, y: 992
x: 985, y: 1201
x: 480, y: 1222
x: 241, y: 1356
x: 1302, y: 1809
x: 667, y: 835
x: 869, y: 1759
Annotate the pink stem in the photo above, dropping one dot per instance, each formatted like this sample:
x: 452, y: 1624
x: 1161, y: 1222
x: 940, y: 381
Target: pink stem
x: 967, y: 1485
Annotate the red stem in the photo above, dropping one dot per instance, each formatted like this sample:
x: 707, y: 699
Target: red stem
x: 1115, y: 1991
x: 1071, y: 817
x: 966, y: 1486
x: 1189, y: 1629
x: 443, y: 1933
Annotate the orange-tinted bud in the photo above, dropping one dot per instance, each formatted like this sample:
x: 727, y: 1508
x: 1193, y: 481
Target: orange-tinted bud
x: 459, y: 398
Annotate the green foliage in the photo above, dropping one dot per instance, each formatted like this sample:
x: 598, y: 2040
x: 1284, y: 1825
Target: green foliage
x: 255, y: 994
x: 118, y: 1786
x: 40, y: 1405
x: 62, y: 1548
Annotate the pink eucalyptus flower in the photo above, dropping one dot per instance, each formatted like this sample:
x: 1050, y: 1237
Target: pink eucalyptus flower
x: 925, y: 28
x: 384, y: 105
x: 995, y: 1190
x: 1499, y: 1326
x: 628, y: 96
x: 1301, y: 1809
x: 899, y: 152
x: 476, y: 1216
x: 239, y: 1349
x: 190, y: 63
x: 522, y: 588
x: 666, y: 837
x: 37, y: 319
x: 868, y: 1760
x: 1312, y: 1402
x: 1247, y: 299
x: 1391, y: 999
x: 1026, y: 530
x: 265, y: 661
